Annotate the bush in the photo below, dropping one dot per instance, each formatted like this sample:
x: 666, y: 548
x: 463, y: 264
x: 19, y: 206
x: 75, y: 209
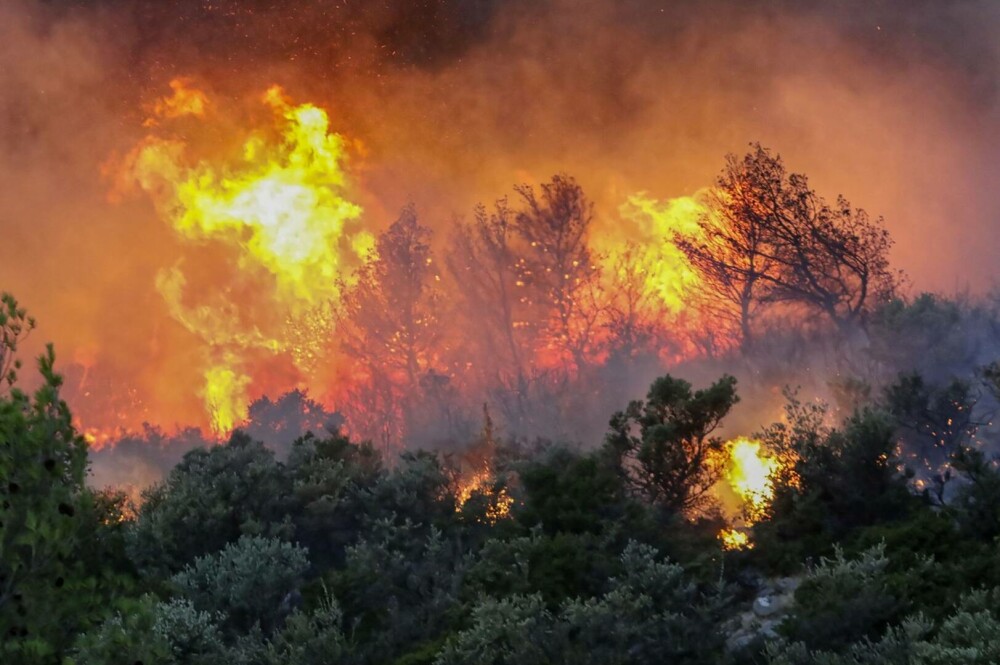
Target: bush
x: 247, y: 582
x: 209, y: 500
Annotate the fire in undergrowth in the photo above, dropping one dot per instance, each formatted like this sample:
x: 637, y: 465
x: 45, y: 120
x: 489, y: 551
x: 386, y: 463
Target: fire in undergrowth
x: 274, y: 204
x: 750, y: 473
x: 484, y: 484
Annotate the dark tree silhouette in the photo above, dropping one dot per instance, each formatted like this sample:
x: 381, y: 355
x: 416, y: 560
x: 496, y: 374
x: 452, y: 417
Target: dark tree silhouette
x: 772, y: 239
x: 663, y: 445
x: 559, y: 266
x: 487, y: 269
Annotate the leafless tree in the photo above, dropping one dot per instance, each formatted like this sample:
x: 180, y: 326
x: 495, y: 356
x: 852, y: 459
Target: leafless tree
x: 389, y: 316
x: 559, y: 267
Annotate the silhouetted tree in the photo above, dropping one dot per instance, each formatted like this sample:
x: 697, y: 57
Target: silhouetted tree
x: 733, y: 252
x: 772, y: 239
x: 489, y: 274
x: 559, y: 266
x: 390, y: 320
x: 663, y: 445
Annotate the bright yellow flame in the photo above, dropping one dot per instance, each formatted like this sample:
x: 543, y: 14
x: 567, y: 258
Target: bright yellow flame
x: 735, y: 540
x: 280, y: 209
x: 750, y: 474
x: 226, y: 396
x: 651, y: 225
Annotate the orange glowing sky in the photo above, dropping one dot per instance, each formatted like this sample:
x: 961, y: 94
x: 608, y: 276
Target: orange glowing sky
x: 892, y: 104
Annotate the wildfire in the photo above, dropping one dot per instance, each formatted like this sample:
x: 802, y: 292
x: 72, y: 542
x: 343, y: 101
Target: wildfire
x: 261, y: 202
x: 499, y: 502
x: 666, y: 272
x: 750, y: 474
x: 279, y: 209
x: 733, y: 539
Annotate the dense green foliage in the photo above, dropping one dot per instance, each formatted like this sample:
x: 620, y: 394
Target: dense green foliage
x: 334, y: 554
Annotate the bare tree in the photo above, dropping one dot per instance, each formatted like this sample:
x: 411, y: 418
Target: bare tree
x: 769, y: 238
x: 559, y: 266
x: 633, y: 314
x: 389, y: 317
x: 488, y: 275
x: 732, y: 252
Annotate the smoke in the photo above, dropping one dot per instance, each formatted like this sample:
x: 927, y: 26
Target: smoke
x: 894, y: 104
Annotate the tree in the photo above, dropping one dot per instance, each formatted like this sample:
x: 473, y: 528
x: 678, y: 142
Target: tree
x: 488, y: 274
x: 651, y: 613
x: 57, y: 539
x: 15, y: 324
x: 843, y: 600
x: 832, y: 482
x: 936, y: 421
x: 210, y: 499
x: 247, y: 582
x: 330, y: 478
x: 559, y: 267
x: 733, y: 250
x: 664, y: 447
x: 633, y: 313
x: 390, y: 325
x: 771, y: 239
x: 976, y: 504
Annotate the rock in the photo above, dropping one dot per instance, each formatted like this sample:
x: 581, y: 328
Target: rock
x: 765, y: 606
x: 788, y: 584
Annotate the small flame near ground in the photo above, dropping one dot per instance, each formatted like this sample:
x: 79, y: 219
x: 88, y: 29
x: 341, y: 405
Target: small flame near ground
x: 499, y: 501
x: 750, y: 473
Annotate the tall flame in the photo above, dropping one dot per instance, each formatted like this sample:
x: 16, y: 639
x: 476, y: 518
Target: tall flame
x: 750, y: 474
x: 279, y: 206
x: 666, y: 271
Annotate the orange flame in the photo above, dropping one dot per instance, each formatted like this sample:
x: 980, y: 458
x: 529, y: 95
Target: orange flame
x: 280, y: 210
x: 750, y: 474
x: 499, y: 502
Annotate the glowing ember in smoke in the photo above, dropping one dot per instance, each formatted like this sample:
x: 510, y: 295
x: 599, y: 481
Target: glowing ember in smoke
x: 280, y: 210
x: 750, y: 474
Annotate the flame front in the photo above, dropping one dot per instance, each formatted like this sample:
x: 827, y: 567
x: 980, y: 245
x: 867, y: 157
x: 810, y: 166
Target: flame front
x: 271, y: 235
x: 666, y: 272
x: 279, y: 205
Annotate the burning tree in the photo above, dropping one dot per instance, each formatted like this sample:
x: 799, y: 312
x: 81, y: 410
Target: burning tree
x: 633, y: 315
x: 488, y: 273
x: 558, y: 265
x: 390, y: 326
x: 771, y: 239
